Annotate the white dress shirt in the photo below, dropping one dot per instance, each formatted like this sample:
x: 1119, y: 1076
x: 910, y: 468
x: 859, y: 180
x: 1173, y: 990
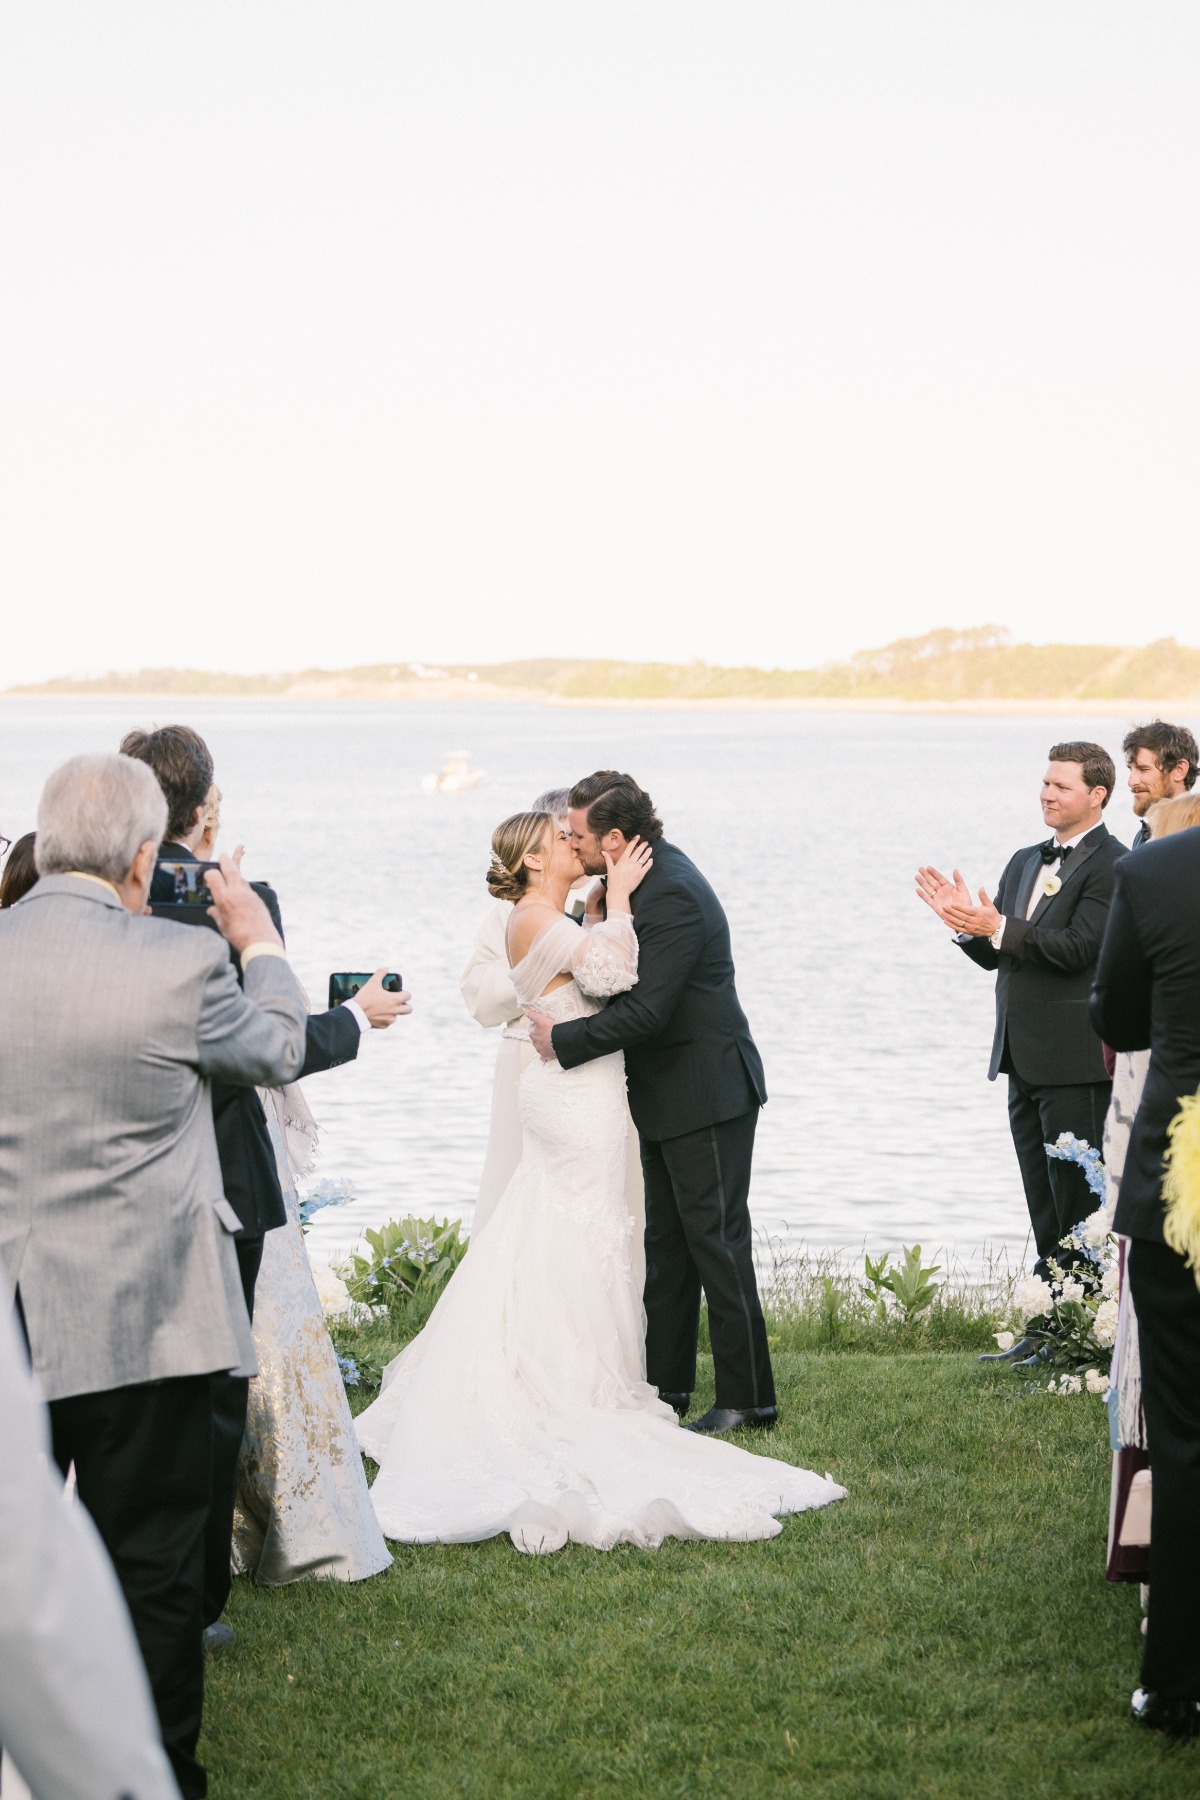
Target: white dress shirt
x: 1038, y: 892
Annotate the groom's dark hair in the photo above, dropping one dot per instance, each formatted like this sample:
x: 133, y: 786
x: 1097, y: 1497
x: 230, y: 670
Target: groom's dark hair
x: 615, y: 802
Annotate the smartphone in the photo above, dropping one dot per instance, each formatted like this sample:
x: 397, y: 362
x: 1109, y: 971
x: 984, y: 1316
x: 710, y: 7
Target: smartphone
x: 190, y: 879
x: 344, y: 987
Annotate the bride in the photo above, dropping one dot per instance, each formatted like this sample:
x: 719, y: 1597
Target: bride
x: 523, y: 1405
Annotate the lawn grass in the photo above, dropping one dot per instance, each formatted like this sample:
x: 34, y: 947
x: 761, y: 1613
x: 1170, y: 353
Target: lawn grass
x: 946, y: 1631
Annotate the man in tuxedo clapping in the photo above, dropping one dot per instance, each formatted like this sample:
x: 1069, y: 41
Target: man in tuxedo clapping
x: 1041, y: 936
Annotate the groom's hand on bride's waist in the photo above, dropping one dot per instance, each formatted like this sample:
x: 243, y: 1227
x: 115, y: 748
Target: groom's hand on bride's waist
x: 541, y: 1034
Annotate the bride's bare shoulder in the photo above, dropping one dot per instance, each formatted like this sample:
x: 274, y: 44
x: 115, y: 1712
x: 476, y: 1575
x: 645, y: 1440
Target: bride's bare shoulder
x: 528, y: 923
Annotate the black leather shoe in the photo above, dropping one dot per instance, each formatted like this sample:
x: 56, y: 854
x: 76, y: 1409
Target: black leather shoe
x: 217, y: 1637
x: 719, y: 1419
x: 1026, y: 1347
x: 681, y: 1402
x: 1178, y: 1718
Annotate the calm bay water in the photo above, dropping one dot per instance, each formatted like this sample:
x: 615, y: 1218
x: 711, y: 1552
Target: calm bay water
x: 874, y: 1029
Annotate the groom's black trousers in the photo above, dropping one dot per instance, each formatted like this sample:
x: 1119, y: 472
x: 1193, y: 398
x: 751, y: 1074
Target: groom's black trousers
x: 143, y: 1470
x: 698, y: 1237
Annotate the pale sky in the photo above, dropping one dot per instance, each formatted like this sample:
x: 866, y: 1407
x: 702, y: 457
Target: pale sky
x: 756, y: 332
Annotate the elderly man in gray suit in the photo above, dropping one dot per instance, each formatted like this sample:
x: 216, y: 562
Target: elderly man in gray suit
x: 115, y: 1236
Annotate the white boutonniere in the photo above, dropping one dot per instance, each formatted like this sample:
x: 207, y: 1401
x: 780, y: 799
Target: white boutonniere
x: 1051, y: 885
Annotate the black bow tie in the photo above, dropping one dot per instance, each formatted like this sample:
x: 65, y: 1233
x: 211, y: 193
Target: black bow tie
x: 1052, y: 851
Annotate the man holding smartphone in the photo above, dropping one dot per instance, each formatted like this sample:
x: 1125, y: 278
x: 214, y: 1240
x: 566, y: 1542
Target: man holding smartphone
x: 183, y: 766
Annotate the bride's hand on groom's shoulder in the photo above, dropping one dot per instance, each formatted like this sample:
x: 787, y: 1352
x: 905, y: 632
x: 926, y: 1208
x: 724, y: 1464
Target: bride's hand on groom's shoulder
x: 629, y: 871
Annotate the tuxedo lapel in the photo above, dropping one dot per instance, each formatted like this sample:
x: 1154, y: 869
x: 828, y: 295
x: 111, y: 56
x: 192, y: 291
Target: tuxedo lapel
x: 1075, y: 862
x: 1029, y: 874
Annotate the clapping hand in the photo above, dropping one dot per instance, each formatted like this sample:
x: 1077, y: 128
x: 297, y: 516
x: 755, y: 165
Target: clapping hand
x: 970, y: 920
x: 952, y: 902
x: 940, y: 894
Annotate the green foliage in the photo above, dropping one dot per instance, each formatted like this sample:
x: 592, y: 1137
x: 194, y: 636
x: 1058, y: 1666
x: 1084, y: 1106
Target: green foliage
x: 820, y: 1301
x: 910, y: 1282
x: 409, y: 1257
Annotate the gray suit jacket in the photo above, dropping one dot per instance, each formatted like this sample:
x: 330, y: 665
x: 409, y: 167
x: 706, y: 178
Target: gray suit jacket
x: 113, y: 1220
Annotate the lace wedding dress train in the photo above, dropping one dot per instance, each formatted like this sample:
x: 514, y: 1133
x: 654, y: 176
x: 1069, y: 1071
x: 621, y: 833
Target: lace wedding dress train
x: 523, y: 1405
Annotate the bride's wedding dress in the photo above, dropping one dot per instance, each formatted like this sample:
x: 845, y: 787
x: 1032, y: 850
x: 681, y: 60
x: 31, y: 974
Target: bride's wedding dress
x: 523, y: 1405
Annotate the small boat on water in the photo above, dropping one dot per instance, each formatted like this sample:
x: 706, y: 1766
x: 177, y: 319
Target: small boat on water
x: 456, y: 776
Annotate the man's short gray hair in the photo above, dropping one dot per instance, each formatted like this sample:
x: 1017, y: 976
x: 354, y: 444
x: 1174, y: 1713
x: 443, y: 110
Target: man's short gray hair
x: 554, y: 801
x: 95, y: 814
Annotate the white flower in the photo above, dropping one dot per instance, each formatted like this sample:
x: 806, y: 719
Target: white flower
x: 1050, y: 884
x: 1032, y: 1298
x: 1105, y: 1328
x: 1072, y: 1290
x: 1110, y: 1283
x: 1096, y: 1382
x: 332, y: 1291
x: 1093, y: 1232
x: 1004, y: 1339
x: 1065, y: 1384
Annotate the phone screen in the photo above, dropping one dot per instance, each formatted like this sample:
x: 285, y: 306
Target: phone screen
x: 189, y: 880
x: 345, y: 986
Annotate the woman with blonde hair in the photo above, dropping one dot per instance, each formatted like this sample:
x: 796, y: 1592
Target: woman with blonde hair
x: 1180, y: 813
x: 491, y: 999
x: 523, y: 1406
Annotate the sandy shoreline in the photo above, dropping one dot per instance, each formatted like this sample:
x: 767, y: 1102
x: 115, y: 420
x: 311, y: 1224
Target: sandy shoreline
x: 460, y: 691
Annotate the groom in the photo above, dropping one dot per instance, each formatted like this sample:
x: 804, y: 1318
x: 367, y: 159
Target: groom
x: 695, y: 1087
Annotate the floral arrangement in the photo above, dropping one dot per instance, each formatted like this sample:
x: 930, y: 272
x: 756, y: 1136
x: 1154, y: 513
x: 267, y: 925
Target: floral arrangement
x: 1073, y: 1316
x: 1181, y: 1188
x: 329, y: 1191
x: 408, y: 1257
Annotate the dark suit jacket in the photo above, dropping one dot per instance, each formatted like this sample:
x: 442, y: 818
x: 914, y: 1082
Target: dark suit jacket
x: 689, y: 1058
x: 1044, y: 968
x: 1147, y: 996
x: 248, y: 1171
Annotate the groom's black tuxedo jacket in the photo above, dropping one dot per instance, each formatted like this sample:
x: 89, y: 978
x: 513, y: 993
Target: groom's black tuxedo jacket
x: 1045, y: 963
x: 689, y: 1058
x: 1147, y: 997
x: 248, y: 1172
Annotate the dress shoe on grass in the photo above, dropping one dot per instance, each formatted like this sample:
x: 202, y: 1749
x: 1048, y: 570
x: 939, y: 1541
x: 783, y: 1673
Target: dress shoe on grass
x: 720, y: 1419
x: 1177, y: 1718
x: 680, y: 1402
x: 217, y: 1637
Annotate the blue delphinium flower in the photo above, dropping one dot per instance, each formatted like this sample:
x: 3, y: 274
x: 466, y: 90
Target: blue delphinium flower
x: 329, y: 1191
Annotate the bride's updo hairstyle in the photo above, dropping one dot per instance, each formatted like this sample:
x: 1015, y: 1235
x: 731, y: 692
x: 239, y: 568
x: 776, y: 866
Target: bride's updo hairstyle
x: 522, y: 835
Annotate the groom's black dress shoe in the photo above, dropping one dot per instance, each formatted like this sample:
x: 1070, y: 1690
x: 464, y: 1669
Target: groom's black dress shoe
x: 1026, y: 1347
x: 680, y: 1402
x: 719, y: 1419
x: 1178, y: 1718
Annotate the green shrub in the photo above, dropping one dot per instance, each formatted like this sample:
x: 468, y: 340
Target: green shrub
x: 409, y: 1258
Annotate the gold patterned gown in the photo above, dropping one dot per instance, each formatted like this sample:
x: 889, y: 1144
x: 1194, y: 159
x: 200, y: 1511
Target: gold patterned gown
x: 303, y: 1506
